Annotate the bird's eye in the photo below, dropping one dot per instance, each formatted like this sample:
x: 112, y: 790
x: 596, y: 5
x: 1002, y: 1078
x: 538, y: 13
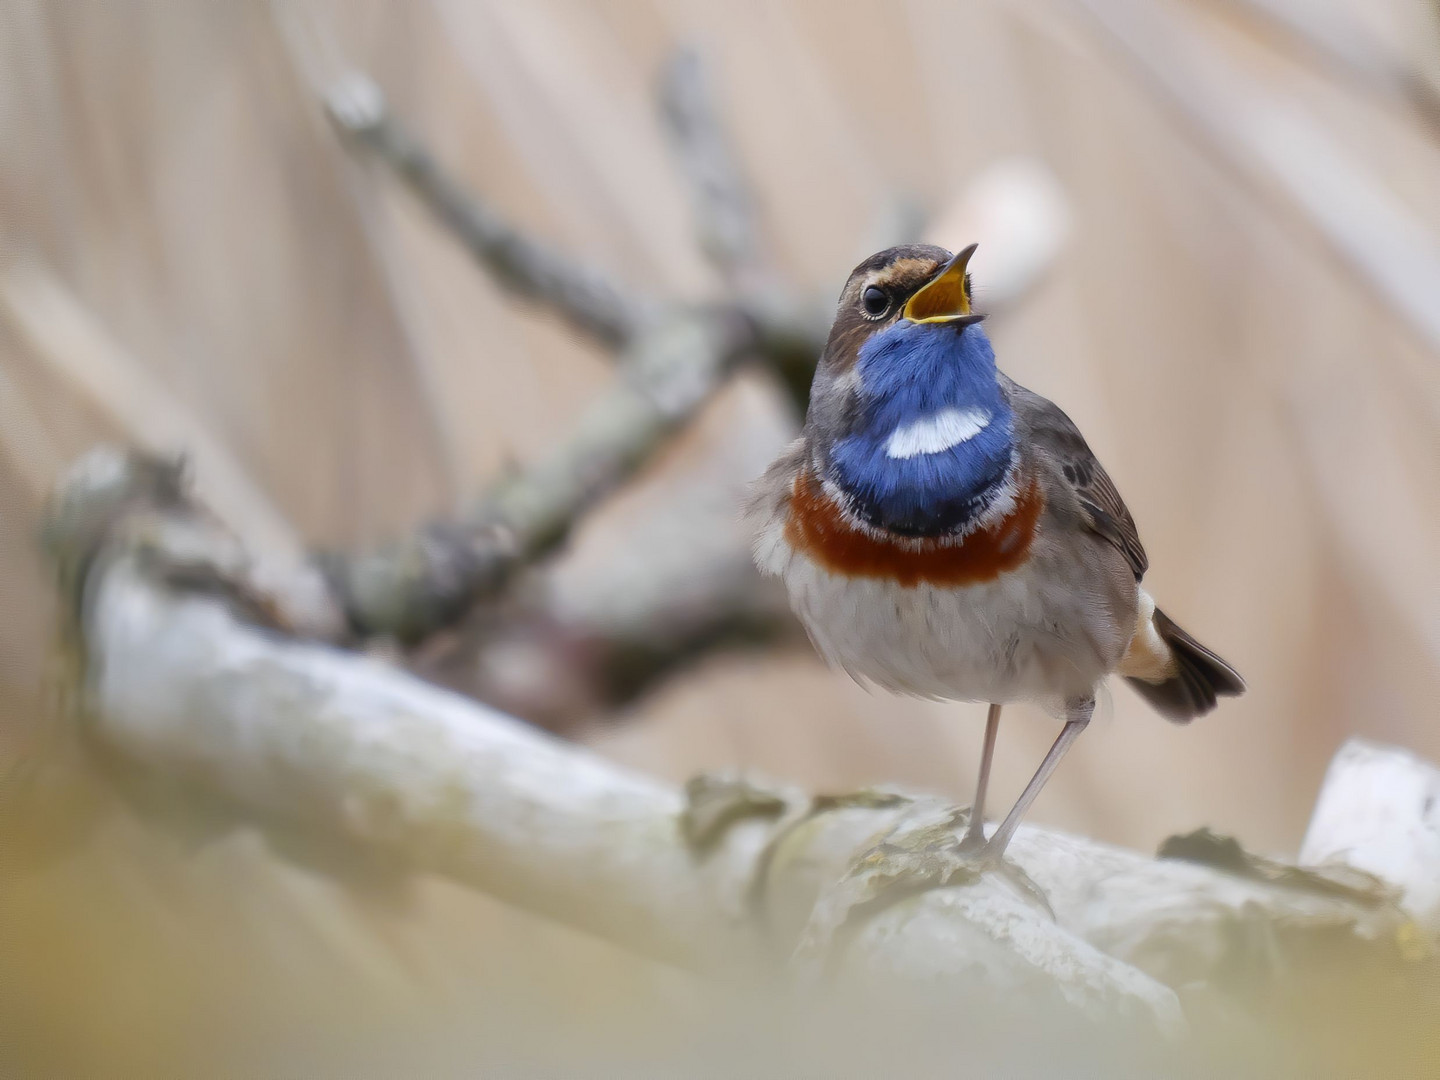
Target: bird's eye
x: 875, y: 301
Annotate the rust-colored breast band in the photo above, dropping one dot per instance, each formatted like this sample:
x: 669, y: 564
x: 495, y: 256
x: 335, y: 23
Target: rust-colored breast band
x: 818, y: 529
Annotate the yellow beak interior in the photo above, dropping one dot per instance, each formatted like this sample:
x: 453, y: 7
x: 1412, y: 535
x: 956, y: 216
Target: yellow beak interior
x: 944, y: 298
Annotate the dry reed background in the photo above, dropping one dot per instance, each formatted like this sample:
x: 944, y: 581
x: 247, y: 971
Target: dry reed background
x: 177, y: 211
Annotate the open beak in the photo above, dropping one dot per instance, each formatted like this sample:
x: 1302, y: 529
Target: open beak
x: 944, y: 299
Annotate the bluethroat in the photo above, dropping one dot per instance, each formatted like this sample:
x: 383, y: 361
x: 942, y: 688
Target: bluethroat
x: 944, y: 532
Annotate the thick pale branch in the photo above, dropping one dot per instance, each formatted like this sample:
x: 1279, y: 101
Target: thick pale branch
x: 303, y: 738
x: 306, y: 740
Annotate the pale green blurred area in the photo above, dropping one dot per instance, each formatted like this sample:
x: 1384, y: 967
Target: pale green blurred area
x: 1273, y: 423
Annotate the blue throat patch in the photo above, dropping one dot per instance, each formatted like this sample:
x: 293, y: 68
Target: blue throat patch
x: 910, y: 373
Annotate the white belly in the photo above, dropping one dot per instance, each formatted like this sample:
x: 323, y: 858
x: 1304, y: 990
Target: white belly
x: 1020, y: 637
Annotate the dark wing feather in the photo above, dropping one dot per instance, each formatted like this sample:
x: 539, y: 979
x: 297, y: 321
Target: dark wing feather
x: 1049, y: 429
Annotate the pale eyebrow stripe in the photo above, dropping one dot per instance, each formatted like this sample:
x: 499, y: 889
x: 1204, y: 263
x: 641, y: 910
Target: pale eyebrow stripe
x: 935, y: 433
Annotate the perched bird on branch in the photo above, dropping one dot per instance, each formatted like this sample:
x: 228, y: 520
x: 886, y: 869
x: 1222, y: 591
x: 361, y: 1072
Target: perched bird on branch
x: 944, y: 532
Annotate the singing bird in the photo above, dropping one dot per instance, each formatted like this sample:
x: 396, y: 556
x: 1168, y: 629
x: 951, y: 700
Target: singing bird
x: 944, y: 532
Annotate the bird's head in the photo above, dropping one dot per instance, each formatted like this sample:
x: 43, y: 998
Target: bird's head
x: 907, y: 417
x: 916, y: 284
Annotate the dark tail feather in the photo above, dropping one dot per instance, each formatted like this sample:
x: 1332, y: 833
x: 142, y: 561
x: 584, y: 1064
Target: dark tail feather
x: 1203, y: 677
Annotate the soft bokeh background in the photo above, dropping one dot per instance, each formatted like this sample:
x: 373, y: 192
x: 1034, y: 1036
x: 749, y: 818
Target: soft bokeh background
x: 1239, y: 320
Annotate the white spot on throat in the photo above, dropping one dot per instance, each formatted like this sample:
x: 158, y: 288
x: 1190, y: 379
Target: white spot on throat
x: 940, y: 431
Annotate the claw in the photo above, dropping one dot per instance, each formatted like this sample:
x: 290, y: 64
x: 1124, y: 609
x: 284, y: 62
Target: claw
x: 993, y: 861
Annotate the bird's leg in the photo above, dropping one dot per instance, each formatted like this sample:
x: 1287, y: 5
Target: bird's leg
x: 975, y: 833
x: 1077, y: 715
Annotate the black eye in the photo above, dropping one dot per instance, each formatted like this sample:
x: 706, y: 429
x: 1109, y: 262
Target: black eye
x: 875, y: 300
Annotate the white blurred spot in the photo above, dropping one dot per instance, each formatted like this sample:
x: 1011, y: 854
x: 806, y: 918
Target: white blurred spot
x: 1018, y: 213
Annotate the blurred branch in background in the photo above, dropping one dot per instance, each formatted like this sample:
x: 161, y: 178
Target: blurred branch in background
x: 723, y: 204
x: 1333, y: 37
x: 582, y: 295
x: 314, y: 744
x: 432, y: 579
x: 1285, y: 150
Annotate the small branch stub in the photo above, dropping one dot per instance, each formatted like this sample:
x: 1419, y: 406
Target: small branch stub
x: 1379, y: 811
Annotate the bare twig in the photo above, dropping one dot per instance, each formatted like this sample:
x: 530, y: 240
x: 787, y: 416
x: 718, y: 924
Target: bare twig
x: 724, y: 208
x: 586, y: 298
x: 431, y: 579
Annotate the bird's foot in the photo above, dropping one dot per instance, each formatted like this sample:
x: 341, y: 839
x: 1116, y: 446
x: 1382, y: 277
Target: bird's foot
x: 984, y: 857
x: 973, y: 844
x: 931, y: 848
x: 935, y: 854
x: 996, y: 863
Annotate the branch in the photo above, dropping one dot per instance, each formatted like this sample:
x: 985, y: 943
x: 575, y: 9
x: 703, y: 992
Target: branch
x: 586, y: 298
x: 786, y: 333
x: 1379, y: 810
x: 724, y: 209
x: 81, y: 353
x: 310, y: 742
x: 305, y: 738
x: 533, y: 659
x: 432, y: 578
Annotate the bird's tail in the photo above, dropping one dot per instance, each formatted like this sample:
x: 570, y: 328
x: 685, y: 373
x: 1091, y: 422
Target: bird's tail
x: 1180, y: 677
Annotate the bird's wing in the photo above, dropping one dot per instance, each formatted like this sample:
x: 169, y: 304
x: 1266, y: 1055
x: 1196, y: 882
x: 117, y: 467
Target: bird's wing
x: 1102, y: 508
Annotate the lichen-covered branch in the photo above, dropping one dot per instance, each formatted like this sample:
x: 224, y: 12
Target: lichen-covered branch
x: 584, y: 296
x: 342, y: 752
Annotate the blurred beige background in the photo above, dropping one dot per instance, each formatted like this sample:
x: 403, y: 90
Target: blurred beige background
x: 174, y: 206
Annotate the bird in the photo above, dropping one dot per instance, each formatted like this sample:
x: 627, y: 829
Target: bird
x: 946, y: 533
